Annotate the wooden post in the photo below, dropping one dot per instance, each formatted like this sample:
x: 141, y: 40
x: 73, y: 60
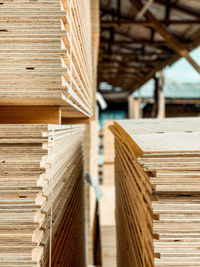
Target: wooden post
x: 130, y: 107
x: 155, y: 104
x: 161, y: 98
x: 158, y: 110
x: 134, y: 111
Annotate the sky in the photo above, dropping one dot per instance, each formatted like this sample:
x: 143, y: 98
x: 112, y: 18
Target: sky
x: 182, y: 71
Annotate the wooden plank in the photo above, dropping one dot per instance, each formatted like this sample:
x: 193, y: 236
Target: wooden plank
x: 30, y: 114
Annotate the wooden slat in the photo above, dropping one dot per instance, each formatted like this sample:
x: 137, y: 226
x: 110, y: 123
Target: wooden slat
x: 30, y: 114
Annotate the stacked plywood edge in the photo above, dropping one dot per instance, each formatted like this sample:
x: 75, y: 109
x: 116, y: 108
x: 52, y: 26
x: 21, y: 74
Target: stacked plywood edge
x: 107, y: 203
x: 46, y: 77
x: 41, y: 196
x: 95, y: 19
x: 158, y: 192
x: 46, y: 55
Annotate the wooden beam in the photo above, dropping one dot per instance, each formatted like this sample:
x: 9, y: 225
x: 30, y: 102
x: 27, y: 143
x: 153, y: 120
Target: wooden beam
x: 30, y: 114
x: 184, y: 101
x: 114, y: 23
x: 128, y: 62
x: 145, y: 7
x: 171, y: 60
x: 151, y: 41
x: 180, y: 8
x: 167, y: 11
x: 131, y: 22
x: 119, y: 11
x: 169, y: 38
x: 127, y: 74
x: 113, y: 13
x: 144, y: 42
x: 137, y: 53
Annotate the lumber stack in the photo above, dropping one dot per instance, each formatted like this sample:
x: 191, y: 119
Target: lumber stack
x: 107, y: 203
x: 46, y: 55
x: 41, y: 196
x: 158, y: 192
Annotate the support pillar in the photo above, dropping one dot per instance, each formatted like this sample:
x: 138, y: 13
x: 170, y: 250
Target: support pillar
x: 134, y: 111
x: 158, y: 110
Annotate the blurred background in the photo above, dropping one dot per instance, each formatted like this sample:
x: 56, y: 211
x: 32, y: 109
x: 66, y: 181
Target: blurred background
x: 149, y: 58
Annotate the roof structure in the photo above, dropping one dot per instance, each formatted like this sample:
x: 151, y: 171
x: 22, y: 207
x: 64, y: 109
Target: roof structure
x: 141, y: 37
x: 171, y: 89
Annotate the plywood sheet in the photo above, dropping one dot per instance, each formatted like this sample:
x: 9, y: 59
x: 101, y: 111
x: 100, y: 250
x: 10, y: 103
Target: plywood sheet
x: 46, y: 55
x: 41, y: 195
x: 157, y: 192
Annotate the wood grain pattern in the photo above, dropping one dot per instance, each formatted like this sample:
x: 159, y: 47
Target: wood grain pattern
x: 30, y: 114
x: 157, y: 192
x: 46, y: 55
x: 41, y: 195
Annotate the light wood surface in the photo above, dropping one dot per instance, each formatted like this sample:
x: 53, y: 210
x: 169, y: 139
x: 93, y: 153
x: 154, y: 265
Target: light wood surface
x: 46, y: 55
x: 30, y: 114
x: 107, y: 203
x: 108, y: 143
x: 108, y: 226
x: 157, y: 192
x: 41, y: 195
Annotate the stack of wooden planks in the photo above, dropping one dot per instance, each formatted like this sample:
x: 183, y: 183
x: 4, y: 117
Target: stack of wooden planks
x: 158, y: 192
x: 46, y: 55
x: 41, y: 195
x: 107, y: 203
